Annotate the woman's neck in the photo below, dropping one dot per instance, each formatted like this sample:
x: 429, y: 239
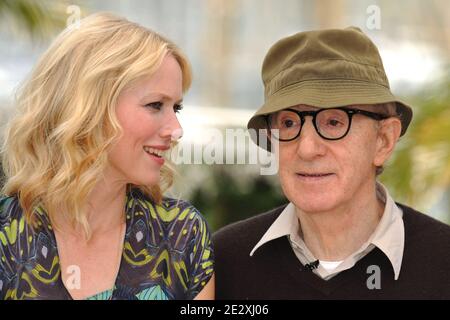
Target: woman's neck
x: 105, y: 211
x: 106, y: 205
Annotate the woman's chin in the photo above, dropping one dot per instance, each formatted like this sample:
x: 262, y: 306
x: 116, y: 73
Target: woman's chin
x: 150, y: 180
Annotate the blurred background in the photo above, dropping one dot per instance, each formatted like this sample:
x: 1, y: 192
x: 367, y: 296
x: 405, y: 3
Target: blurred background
x: 226, y: 41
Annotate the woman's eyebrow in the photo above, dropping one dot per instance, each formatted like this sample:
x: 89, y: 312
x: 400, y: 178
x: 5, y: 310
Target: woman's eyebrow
x: 161, y: 96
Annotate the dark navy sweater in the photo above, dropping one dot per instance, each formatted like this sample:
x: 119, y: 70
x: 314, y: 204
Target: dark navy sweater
x: 274, y: 271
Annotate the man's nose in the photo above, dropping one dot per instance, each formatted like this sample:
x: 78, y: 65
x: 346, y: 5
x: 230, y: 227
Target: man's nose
x: 309, y: 144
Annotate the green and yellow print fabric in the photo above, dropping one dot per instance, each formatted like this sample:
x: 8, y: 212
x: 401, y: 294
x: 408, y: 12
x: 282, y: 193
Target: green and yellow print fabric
x: 167, y: 253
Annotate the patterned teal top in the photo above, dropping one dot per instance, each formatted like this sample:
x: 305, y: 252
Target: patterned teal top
x: 167, y: 253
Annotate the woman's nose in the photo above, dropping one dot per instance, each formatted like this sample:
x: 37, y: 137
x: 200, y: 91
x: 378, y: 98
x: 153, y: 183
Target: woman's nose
x: 171, y: 127
x: 177, y: 134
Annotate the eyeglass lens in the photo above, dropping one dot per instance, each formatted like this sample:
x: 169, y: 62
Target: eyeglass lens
x: 329, y: 123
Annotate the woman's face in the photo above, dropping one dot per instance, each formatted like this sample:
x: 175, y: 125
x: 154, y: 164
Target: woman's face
x: 147, y: 115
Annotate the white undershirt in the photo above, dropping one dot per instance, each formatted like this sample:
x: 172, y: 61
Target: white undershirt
x: 330, y: 265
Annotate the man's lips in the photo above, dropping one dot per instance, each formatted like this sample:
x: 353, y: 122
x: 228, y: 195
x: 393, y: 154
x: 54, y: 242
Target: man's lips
x: 313, y: 174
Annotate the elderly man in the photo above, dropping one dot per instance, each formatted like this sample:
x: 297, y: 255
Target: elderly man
x: 333, y: 123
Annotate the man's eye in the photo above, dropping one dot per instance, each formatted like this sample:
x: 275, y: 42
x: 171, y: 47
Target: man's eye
x: 155, y: 105
x: 287, y: 123
x: 334, y: 122
x: 177, y: 108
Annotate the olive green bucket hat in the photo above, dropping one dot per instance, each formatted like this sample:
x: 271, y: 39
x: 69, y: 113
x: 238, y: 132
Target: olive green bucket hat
x: 326, y: 69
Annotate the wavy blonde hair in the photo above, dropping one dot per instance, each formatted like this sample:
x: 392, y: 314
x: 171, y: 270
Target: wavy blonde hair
x: 56, y: 147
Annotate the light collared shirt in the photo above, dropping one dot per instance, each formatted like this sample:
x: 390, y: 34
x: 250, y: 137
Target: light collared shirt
x: 389, y: 237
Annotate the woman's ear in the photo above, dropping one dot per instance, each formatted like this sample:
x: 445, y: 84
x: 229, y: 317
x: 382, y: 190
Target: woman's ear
x: 388, y: 134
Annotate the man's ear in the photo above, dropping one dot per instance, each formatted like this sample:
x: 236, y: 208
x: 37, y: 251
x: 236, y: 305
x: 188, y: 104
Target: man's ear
x: 388, y: 134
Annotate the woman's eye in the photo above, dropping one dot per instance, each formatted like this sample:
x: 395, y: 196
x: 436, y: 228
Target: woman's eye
x: 155, y: 105
x: 177, y: 108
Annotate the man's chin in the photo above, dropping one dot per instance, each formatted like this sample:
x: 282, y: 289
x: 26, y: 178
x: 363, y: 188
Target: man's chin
x: 314, y: 204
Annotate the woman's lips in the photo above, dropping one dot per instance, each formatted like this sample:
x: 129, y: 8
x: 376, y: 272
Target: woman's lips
x: 156, y: 153
x: 159, y: 160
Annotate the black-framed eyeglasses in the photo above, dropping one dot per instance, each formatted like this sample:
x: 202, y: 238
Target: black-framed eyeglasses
x: 330, y: 124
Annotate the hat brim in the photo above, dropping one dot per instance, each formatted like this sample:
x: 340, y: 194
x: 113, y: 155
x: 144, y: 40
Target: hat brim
x: 328, y: 94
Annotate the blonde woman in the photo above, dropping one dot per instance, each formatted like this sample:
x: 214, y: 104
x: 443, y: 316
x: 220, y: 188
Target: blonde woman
x: 84, y: 215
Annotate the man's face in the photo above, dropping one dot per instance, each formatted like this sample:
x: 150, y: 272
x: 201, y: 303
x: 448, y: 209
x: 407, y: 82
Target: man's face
x: 320, y: 175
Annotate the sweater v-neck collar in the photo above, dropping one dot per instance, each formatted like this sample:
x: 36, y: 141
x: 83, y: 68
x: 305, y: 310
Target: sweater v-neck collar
x: 302, y: 275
